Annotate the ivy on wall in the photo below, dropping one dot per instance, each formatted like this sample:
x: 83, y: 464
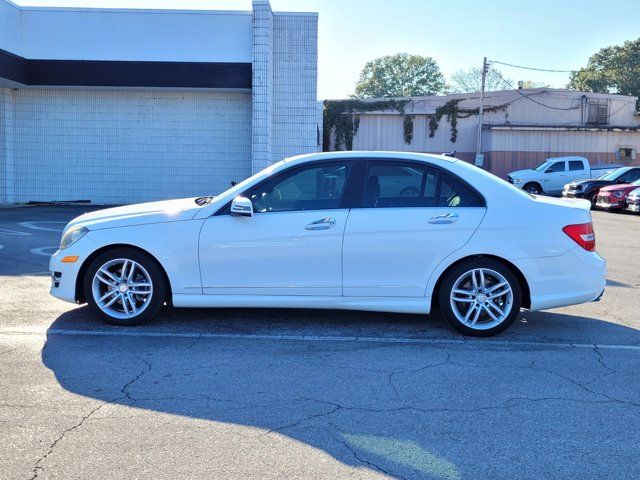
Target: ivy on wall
x: 342, y: 119
x: 453, y: 112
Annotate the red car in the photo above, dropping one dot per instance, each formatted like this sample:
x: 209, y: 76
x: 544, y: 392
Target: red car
x: 614, y: 197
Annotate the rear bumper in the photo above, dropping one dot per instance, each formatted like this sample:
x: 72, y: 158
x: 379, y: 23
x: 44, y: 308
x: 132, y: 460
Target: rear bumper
x: 576, y: 277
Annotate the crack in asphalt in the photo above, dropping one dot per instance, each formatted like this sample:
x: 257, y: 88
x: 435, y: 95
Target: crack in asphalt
x: 143, y: 372
x: 360, y: 459
x: 414, y: 371
x: 38, y: 468
x: 302, y: 420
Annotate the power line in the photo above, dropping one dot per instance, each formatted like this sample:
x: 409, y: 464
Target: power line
x: 528, y: 97
x: 533, y: 68
x: 550, y: 70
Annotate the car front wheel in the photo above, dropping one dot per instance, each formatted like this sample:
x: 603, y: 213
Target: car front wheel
x: 533, y: 188
x: 124, y: 287
x: 480, y: 297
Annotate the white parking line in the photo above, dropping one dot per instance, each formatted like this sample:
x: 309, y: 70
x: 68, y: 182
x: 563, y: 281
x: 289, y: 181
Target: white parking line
x: 35, y: 226
x: 318, y: 338
x: 41, y: 251
x: 17, y: 233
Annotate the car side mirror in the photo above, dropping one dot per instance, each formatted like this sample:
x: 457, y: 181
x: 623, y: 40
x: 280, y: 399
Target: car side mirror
x: 241, y: 207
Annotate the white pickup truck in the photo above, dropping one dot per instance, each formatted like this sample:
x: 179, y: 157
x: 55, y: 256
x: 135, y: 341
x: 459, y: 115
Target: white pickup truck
x: 554, y: 173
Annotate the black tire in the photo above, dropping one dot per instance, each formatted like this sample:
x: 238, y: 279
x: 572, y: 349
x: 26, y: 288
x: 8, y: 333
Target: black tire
x: 450, y: 278
x: 152, y: 304
x: 593, y: 198
x: 533, y: 188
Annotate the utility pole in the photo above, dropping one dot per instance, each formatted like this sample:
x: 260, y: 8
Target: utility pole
x: 479, y: 155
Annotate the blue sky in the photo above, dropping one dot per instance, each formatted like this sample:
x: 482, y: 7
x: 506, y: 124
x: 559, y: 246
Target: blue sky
x: 558, y: 34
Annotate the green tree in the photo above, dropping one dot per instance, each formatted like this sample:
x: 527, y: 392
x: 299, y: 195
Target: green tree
x: 614, y: 69
x: 534, y: 84
x: 470, y: 81
x: 400, y: 75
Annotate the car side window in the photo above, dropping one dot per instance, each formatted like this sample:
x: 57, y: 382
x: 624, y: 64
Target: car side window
x: 575, y: 165
x: 396, y: 184
x: 631, y: 176
x: 454, y: 193
x: 556, y: 167
x: 318, y: 186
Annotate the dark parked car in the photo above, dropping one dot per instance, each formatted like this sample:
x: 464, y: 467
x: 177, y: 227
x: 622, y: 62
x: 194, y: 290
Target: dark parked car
x: 589, y: 188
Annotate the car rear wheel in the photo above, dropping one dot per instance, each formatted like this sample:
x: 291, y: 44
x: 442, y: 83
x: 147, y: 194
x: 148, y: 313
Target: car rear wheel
x: 124, y: 287
x: 480, y: 297
x: 533, y: 188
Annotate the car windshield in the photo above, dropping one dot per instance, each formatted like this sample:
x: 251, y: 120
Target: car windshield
x: 613, y: 175
x: 542, y: 167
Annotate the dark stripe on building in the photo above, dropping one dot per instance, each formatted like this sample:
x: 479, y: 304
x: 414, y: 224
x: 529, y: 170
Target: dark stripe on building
x: 109, y: 73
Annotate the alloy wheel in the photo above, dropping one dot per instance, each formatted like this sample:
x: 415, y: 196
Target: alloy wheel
x: 481, y: 299
x: 122, y: 288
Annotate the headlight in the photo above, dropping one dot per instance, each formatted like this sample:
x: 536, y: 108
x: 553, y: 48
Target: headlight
x: 72, y: 236
x: 517, y: 181
x: 618, y: 194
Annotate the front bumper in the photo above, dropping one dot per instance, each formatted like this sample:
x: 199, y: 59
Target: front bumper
x: 609, y: 203
x: 633, y: 205
x: 64, y: 274
x: 573, y: 194
x: 63, y: 277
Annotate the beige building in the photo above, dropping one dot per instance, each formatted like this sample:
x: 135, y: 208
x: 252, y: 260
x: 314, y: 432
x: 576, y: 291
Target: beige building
x: 520, y: 128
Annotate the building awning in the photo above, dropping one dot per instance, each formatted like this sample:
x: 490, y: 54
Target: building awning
x: 110, y: 73
x: 562, y: 128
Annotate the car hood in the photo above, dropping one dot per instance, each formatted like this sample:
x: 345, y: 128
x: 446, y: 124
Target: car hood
x: 635, y: 193
x: 592, y: 182
x: 624, y: 187
x: 138, y: 214
x: 520, y: 173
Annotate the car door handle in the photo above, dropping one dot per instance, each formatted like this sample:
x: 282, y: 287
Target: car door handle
x: 444, y: 219
x: 322, y: 224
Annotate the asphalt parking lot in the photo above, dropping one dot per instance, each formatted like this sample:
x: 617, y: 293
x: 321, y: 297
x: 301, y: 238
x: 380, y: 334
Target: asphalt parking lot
x: 313, y: 394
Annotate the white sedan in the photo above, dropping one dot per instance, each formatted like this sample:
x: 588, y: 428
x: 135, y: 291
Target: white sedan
x: 337, y: 231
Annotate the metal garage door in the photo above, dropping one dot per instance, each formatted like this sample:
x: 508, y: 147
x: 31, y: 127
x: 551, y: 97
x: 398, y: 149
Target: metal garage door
x: 124, y: 146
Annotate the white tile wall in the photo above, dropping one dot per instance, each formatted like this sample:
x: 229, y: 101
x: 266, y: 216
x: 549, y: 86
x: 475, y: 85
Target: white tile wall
x: 295, y: 59
x: 124, y: 146
x: 7, y: 167
x: 262, y: 86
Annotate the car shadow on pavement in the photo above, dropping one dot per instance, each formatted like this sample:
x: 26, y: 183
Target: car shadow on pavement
x: 394, y: 408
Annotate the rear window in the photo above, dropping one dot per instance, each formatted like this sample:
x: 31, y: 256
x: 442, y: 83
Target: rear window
x: 397, y: 184
x: 575, y: 165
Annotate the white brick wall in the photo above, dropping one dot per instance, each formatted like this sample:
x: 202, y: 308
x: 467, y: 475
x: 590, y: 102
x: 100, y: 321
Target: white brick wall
x: 124, y: 146
x: 295, y: 59
x: 115, y: 146
x: 262, y: 86
x: 7, y: 168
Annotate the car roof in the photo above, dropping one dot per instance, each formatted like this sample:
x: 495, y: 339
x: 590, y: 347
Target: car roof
x: 421, y: 157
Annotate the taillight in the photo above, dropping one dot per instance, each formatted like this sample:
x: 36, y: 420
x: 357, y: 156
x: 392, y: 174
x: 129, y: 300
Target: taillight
x: 582, y: 234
